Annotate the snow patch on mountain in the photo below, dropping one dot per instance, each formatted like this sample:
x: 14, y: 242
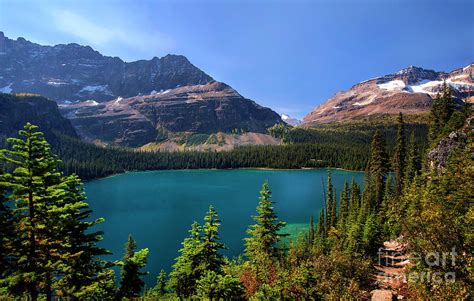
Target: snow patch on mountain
x: 289, y: 120
x: 94, y: 89
x: 394, y: 85
x: 6, y: 89
x: 91, y: 102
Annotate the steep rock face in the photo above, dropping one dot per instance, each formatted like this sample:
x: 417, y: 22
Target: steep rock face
x: 122, y: 103
x: 438, y: 157
x: 16, y: 111
x: 134, y: 121
x: 69, y: 73
x: 409, y: 91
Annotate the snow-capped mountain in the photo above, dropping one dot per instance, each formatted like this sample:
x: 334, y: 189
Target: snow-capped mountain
x: 290, y: 120
x: 409, y: 91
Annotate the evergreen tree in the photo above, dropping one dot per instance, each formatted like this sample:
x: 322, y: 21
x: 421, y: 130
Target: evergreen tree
x: 185, y: 271
x: 377, y: 171
x: 344, y: 206
x: 311, y: 231
x: 161, y: 283
x: 321, y: 229
x: 6, y: 236
x: 334, y: 213
x: 35, y: 186
x: 413, y: 166
x: 211, y: 259
x: 399, y: 157
x: 265, y: 234
x: 79, y: 250
x: 354, y: 202
x: 330, y: 204
x: 131, y: 283
x: 440, y: 113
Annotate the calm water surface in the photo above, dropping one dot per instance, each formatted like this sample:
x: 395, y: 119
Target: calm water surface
x: 158, y: 207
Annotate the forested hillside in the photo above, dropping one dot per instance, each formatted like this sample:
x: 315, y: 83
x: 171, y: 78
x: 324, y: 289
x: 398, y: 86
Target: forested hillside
x: 90, y: 161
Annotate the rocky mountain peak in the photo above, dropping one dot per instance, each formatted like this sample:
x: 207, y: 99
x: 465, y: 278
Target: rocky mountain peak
x: 409, y: 91
x: 72, y: 72
x: 2, y: 42
x: 126, y: 103
x: 412, y: 75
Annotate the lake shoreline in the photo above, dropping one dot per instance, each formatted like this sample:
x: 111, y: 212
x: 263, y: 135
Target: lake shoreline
x: 238, y: 168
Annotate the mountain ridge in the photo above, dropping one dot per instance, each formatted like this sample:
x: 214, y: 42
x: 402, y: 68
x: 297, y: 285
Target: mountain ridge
x: 72, y: 72
x: 409, y: 91
x: 127, y: 103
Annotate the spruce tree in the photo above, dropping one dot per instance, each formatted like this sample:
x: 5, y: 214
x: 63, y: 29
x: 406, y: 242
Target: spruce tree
x: 6, y: 235
x: 211, y: 259
x: 79, y: 251
x: 265, y: 234
x: 131, y: 283
x: 399, y: 158
x: 354, y: 203
x: 329, y: 203
x: 185, y: 271
x: 334, y: 213
x: 440, y: 113
x: 413, y: 166
x: 35, y: 186
x: 161, y: 283
x: 377, y: 171
x: 321, y: 229
x: 344, y: 206
x: 311, y: 231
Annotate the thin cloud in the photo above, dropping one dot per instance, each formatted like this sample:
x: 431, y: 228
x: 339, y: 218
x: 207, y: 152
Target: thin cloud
x: 100, y: 35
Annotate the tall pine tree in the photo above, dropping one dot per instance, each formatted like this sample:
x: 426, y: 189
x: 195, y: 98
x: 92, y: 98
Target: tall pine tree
x: 131, y: 283
x: 79, y: 251
x: 265, y: 234
x: 211, y: 259
x: 399, y: 156
x: 377, y: 170
x: 185, y: 270
x: 35, y: 186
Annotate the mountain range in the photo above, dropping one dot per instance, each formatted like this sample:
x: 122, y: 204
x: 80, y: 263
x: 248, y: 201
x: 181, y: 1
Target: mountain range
x: 410, y: 91
x: 127, y: 103
x: 113, y: 102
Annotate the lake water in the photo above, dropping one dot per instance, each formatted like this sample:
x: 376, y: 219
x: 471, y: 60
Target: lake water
x: 158, y: 207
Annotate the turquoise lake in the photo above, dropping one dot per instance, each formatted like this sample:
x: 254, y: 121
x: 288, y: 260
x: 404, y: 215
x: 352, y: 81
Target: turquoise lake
x: 158, y: 207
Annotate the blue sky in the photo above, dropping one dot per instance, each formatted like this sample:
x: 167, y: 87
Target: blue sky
x: 288, y: 55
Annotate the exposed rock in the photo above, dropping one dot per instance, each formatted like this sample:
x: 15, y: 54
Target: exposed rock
x: 390, y: 277
x: 112, y: 101
x: 382, y: 295
x: 16, y: 111
x: 76, y: 73
x: 439, y: 156
x: 409, y: 91
x: 134, y: 121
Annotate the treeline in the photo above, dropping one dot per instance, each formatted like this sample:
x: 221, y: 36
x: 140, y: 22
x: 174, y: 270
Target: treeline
x: 91, y: 161
x: 346, y: 147
x: 357, y: 133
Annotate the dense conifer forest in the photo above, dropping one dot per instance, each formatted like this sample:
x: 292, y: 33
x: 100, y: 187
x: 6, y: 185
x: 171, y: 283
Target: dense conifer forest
x: 48, y: 248
x: 327, y: 146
